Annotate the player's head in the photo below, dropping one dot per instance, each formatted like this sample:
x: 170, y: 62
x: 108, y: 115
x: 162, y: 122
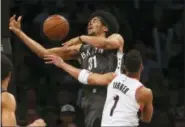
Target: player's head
x: 133, y: 62
x: 6, y: 69
x: 102, y: 22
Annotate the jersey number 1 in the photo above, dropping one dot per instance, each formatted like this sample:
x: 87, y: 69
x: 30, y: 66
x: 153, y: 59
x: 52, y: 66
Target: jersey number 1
x: 92, y: 63
x: 116, y: 99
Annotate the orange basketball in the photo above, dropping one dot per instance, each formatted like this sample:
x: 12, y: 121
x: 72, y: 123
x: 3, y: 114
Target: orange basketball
x: 56, y: 27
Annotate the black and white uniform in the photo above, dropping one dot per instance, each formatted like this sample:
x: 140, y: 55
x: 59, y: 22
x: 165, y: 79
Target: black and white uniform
x: 98, y: 61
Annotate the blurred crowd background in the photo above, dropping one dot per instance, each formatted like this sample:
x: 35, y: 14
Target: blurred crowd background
x: 154, y: 27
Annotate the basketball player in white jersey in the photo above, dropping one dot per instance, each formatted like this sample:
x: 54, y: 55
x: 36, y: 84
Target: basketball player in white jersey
x: 8, y: 103
x: 126, y: 96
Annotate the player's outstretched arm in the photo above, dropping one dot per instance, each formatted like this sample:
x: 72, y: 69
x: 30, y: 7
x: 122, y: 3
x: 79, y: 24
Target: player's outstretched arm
x: 101, y: 79
x: 83, y: 75
x: 145, y: 97
x: 15, y: 26
x: 8, y: 112
x: 114, y: 41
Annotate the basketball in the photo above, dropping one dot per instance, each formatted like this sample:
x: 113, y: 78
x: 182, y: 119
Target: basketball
x: 56, y: 27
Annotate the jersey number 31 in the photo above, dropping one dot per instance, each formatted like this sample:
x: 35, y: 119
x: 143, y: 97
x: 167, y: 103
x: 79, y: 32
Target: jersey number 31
x: 116, y: 99
x: 92, y: 63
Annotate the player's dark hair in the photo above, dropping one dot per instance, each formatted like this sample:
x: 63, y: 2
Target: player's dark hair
x: 108, y: 20
x: 6, y: 67
x: 133, y: 61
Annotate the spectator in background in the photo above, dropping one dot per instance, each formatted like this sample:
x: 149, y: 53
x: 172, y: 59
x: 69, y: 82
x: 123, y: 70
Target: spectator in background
x: 147, y: 62
x: 31, y: 99
x: 176, y: 81
x: 162, y: 117
x: 176, y: 70
x: 160, y: 90
x: 50, y: 116
x: 72, y: 125
x: 65, y: 97
x: 32, y: 115
x: 67, y: 115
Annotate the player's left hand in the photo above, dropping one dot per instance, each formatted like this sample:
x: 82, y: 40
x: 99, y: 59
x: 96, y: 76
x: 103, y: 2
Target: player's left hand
x: 15, y: 25
x: 52, y: 59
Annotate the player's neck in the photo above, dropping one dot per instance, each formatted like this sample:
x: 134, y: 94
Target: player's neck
x: 101, y: 35
x: 4, y: 85
x: 134, y: 75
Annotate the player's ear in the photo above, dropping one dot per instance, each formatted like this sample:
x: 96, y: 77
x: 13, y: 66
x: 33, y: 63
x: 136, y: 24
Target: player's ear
x: 141, y: 67
x: 105, y: 29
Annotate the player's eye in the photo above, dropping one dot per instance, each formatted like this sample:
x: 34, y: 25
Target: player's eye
x: 95, y: 21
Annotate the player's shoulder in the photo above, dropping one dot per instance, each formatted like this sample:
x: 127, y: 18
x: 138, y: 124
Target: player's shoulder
x: 146, y: 91
x: 119, y: 77
x: 117, y: 35
x: 7, y: 95
x: 135, y: 83
x: 143, y: 93
x: 8, y: 99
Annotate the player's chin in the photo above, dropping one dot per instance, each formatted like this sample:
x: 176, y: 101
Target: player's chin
x: 91, y: 33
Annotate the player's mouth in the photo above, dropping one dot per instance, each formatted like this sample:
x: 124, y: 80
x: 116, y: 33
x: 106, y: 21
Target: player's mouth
x: 90, y: 27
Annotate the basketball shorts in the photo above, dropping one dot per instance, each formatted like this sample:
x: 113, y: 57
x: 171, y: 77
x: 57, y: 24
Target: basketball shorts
x: 93, y: 107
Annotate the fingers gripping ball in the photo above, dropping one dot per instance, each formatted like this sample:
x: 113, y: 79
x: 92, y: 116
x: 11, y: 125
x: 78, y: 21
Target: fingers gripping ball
x: 56, y: 27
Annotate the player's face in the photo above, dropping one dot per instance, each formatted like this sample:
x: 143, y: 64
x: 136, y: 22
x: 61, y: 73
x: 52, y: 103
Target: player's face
x: 95, y: 27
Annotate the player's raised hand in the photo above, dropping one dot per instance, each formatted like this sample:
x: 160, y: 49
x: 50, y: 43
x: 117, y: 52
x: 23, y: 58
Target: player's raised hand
x: 38, y: 123
x: 15, y: 25
x: 52, y: 59
x: 72, y: 42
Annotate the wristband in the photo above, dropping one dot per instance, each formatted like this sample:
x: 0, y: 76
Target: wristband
x: 83, y: 76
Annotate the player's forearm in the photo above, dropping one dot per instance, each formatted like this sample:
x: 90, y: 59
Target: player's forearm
x: 99, y: 42
x: 145, y: 118
x: 33, y: 45
x: 74, y: 72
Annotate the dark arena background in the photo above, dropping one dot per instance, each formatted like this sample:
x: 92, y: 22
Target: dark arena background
x: 153, y: 27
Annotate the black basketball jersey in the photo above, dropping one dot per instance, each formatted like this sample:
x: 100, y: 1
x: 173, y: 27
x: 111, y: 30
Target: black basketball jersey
x: 100, y: 60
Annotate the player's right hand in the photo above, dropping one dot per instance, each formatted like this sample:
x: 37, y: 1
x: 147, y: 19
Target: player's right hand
x: 52, y: 59
x: 72, y: 42
x: 40, y: 123
x: 15, y: 25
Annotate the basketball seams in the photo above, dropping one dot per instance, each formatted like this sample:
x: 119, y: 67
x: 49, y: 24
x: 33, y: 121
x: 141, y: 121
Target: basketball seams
x: 53, y: 27
x: 57, y: 17
x: 50, y: 30
x: 49, y: 20
x: 65, y: 27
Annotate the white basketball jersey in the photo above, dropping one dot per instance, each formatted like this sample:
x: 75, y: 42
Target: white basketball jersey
x: 121, y: 107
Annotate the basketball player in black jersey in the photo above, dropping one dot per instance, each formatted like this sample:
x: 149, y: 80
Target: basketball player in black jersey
x: 101, y: 52
x: 134, y: 67
x: 8, y: 103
